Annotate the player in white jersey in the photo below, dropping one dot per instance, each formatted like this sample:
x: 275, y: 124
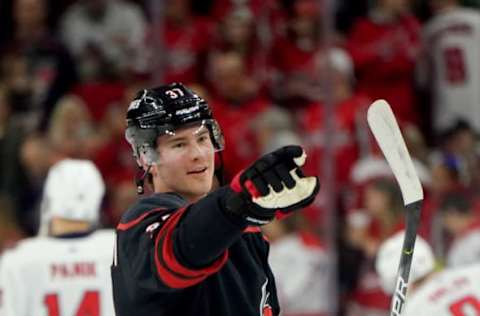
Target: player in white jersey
x: 452, y: 292
x: 65, y: 271
x: 452, y: 64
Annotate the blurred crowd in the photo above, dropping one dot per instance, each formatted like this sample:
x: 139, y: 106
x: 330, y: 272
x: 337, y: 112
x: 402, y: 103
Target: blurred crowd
x: 275, y: 72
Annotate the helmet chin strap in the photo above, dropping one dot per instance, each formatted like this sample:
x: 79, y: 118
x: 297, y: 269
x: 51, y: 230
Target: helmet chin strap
x: 219, y: 172
x: 140, y: 181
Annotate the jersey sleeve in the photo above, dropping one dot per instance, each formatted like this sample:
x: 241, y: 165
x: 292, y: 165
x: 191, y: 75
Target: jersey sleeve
x: 175, y: 247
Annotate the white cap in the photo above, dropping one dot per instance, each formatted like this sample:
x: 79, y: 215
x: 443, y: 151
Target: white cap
x: 388, y: 258
x: 73, y: 190
x: 341, y: 61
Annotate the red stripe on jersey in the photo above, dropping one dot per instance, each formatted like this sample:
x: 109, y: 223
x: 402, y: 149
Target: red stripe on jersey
x: 172, y: 263
x: 169, y: 277
x: 252, y: 229
x: 169, y: 269
x: 255, y: 229
x: 172, y: 279
x: 130, y: 224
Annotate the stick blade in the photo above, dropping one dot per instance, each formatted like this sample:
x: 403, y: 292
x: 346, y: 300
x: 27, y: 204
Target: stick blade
x: 385, y: 128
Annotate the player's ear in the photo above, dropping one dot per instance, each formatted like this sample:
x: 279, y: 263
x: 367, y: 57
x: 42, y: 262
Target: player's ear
x: 141, y: 163
x: 154, y: 170
x: 147, y: 160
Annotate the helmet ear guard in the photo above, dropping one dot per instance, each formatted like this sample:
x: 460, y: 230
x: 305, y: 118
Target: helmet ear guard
x: 215, y: 134
x: 143, y: 143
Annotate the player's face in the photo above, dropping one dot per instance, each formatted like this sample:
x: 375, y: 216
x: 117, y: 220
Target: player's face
x: 396, y: 6
x: 186, y: 163
x: 453, y: 223
x: 376, y: 201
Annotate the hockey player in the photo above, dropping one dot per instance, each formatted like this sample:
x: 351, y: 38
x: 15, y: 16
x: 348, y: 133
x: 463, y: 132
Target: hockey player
x: 452, y: 292
x: 187, y: 249
x: 64, y: 270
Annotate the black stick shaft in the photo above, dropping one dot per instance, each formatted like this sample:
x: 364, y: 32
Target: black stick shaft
x: 412, y: 221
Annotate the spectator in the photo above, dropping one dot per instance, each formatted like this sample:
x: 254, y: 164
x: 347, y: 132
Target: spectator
x: 293, y: 55
x: 347, y: 12
x: 113, y: 155
x: 373, y: 165
x: 384, y: 47
x: 459, y: 147
x: 445, y: 179
x: 36, y: 67
x: 184, y: 40
x: 71, y: 131
x: 107, y: 38
x: 256, y: 7
x: 449, y: 68
x: 460, y: 219
x: 11, y: 137
x: 237, y: 32
x: 236, y: 101
x: 305, y: 292
x: 349, y: 118
x: 275, y: 128
x: 36, y: 157
x: 383, y: 204
x: 382, y: 218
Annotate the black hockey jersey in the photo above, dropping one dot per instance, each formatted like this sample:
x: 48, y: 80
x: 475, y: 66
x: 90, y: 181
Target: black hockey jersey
x: 179, y: 260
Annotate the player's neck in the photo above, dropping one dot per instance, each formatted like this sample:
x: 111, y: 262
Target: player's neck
x: 420, y: 282
x: 190, y: 198
x: 60, y: 226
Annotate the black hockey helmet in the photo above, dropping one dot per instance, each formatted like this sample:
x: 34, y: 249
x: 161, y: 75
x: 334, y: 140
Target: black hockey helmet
x: 158, y: 111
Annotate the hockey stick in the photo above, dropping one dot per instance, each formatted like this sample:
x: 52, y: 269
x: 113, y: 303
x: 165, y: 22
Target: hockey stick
x: 384, y: 127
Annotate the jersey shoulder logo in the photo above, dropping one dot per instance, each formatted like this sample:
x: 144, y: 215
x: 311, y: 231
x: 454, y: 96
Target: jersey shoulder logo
x: 150, y: 230
x: 265, y: 308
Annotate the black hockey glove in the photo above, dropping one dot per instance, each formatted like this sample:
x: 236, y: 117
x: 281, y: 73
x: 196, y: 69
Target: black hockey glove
x: 273, y: 183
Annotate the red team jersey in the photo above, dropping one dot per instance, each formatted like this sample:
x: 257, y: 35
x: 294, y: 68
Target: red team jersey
x: 236, y: 126
x: 385, y: 55
x: 185, y: 49
x: 348, y: 115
